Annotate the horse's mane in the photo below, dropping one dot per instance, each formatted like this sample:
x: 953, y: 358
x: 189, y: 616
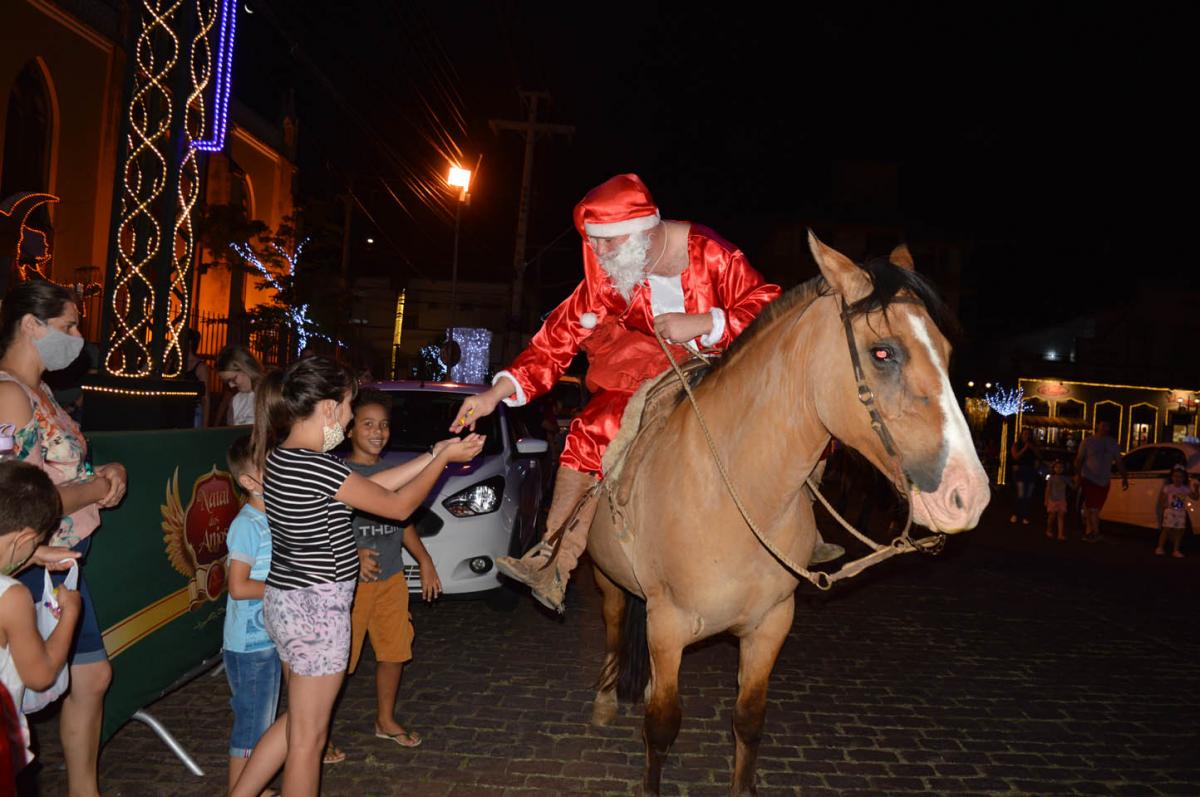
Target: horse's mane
x: 888, y: 282
x: 797, y: 299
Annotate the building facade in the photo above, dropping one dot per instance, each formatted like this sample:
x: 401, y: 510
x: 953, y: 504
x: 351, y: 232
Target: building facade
x: 1137, y: 415
x: 62, y: 79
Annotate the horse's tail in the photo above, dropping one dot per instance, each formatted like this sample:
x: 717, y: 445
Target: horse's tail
x: 629, y: 672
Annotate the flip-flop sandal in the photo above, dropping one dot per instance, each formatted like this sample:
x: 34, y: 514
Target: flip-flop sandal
x: 405, y: 739
x: 333, y: 755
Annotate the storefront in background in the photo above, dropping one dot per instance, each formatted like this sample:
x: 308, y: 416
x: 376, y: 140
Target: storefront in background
x: 1063, y: 412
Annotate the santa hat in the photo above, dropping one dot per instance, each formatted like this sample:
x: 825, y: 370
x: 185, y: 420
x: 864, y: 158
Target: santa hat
x: 619, y: 206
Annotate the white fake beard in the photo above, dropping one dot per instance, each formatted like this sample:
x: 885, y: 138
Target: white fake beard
x: 626, y: 267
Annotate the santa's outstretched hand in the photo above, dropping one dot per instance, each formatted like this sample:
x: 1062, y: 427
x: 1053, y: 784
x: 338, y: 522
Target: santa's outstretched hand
x: 477, y: 406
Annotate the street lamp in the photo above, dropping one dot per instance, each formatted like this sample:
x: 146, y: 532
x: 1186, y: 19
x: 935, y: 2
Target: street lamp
x: 459, y: 178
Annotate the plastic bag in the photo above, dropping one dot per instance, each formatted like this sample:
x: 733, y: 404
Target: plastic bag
x: 47, y: 620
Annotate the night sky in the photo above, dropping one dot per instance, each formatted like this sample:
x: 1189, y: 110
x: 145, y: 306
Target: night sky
x: 1046, y: 140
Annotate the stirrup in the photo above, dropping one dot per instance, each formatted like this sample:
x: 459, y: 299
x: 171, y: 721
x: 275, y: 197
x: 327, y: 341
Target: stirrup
x: 527, y: 568
x: 542, y: 550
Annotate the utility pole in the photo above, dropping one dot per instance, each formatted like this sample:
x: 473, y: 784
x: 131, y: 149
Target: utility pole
x: 531, y: 128
x: 348, y: 198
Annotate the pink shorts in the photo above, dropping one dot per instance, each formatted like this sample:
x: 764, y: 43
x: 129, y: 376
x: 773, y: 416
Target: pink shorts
x: 310, y: 627
x: 1056, y: 506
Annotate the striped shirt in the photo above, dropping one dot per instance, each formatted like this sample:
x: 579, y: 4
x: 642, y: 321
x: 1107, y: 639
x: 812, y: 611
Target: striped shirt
x: 312, y: 541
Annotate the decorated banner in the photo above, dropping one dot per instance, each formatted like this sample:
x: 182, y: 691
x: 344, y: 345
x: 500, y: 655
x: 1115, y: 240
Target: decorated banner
x: 156, y: 568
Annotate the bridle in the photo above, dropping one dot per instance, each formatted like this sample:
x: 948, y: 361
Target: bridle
x: 903, y: 543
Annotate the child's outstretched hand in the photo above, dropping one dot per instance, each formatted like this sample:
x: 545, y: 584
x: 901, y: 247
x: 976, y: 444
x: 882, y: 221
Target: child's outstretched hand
x: 466, y: 449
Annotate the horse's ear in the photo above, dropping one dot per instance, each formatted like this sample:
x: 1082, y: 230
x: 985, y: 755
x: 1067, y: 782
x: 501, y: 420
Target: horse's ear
x: 839, y: 271
x: 902, y: 258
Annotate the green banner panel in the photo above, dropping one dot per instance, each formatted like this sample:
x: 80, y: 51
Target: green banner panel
x: 156, y: 569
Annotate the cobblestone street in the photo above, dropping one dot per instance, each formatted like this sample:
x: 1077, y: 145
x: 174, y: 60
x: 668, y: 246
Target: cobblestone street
x: 1009, y: 665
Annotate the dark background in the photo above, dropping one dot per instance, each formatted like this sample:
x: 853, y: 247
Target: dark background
x: 1050, y: 142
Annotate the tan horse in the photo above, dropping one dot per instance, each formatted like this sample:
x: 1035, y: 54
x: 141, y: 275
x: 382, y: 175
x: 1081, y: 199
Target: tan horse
x: 680, y: 544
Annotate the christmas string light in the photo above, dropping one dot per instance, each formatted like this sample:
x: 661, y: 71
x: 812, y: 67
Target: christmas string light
x: 977, y: 412
x: 26, y: 203
x: 298, y: 316
x: 155, y: 54
x: 126, y: 392
x: 431, y: 355
x: 188, y: 194
x: 1007, y: 402
x: 223, y: 79
x: 397, y: 330
x: 474, y: 346
x: 23, y: 205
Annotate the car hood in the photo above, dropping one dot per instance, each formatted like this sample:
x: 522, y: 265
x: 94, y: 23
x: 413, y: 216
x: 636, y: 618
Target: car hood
x: 456, y: 477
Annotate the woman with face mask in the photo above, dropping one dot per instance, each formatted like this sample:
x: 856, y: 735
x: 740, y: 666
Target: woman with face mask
x: 39, y: 332
x: 302, y: 413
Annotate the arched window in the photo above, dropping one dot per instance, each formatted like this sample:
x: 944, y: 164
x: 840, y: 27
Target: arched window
x: 1070, y: 408
x: 1143, y: 424
x: 28, y: 134
x: 241, y: 191
x: 1113, y: 413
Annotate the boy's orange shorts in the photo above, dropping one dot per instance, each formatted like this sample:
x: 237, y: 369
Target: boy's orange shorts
x: 381, y: 610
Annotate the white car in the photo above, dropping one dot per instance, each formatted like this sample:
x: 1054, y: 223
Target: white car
x: 478, y: 510
x: 1148, y: 468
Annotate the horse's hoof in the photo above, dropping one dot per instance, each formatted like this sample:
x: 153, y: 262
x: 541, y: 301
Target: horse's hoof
x: 603, y: 712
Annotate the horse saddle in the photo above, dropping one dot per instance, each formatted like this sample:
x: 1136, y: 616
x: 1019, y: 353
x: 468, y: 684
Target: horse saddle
x: 643, y: 420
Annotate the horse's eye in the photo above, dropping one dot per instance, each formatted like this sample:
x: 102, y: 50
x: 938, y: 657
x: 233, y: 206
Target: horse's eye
x: 883, y: 354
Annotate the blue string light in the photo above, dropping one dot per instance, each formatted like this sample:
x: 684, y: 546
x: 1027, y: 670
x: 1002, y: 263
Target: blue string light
x: 431, y: 355
x: 304, y: 326
x: 223, y: 79
x: 1006, y: 402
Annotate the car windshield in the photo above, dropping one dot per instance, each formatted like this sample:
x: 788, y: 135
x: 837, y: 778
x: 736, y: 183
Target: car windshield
x: 420, y: 418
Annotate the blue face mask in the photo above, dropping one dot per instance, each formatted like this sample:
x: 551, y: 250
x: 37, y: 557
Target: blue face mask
x: 57, y: 349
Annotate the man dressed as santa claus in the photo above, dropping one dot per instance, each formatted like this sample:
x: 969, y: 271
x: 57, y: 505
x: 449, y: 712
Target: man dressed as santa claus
x: 640, y: 273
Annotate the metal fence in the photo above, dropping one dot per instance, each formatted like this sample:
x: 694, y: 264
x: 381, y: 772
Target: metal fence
x: 273, y: 346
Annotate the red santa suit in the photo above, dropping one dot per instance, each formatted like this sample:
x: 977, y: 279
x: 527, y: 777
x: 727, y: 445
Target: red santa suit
x: 618, y: 335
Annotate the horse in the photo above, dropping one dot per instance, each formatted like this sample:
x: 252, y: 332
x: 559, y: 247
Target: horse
x: 676, y: 563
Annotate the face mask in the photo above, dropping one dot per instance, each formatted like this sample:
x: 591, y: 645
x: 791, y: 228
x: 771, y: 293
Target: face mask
x: 333, y: 436
x: 256, y: 493
x: 15, y: 565
x: 57, y: 349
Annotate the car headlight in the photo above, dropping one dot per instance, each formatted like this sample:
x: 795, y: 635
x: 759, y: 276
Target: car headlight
x: 478, y: 499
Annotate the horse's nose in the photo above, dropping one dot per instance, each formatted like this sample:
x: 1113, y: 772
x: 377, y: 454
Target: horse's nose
x: 963, y: 495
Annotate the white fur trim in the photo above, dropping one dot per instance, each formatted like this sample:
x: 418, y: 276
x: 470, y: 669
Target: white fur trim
x: 520, y: 400
x: 718, y: 328
x: 614, y: 228
x: 588, y: 320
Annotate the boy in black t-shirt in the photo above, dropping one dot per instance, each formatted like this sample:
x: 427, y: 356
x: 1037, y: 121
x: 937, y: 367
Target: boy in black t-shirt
x: 381, y: 602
